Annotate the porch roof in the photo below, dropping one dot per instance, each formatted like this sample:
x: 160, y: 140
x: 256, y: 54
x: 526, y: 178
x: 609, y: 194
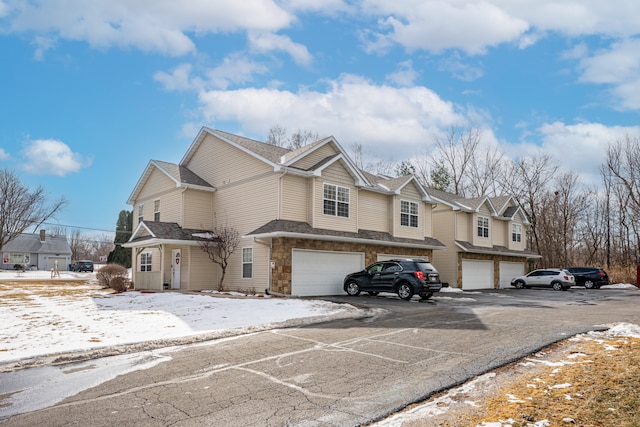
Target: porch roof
x: 153, y: 233
x: 495, y: 250
x: 303, y: 230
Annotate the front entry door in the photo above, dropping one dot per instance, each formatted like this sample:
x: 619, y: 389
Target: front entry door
x: 176, y: 258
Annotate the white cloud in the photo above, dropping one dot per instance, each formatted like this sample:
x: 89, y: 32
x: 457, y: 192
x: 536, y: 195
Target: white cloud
x: 618, y: 66
x: 3, y: 154
x: 269, y: 42
x: 51, y: 157
x: 179, y: 79
x: 581, y: 147
x: 404, y: 76
x: 352, y: 109
x: 470, y: 26
x: 161, y: 26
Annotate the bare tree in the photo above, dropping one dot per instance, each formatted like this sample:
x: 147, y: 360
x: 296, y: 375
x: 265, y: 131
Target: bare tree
x: 527, y: 180
x: 277, y: 136
x: 219, y: 244
x: 21, y: 209
x: 80, y: 248
x: 484, y: 171
x: 101, y: 246
x: 457, y: 149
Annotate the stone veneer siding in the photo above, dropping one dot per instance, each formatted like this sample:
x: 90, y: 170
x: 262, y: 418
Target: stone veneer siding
x: 496, y: 264
x: 281, y: 253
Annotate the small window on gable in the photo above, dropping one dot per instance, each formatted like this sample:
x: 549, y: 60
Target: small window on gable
x: 483, y: 226
x: 516, y: 233
x: 408, y: 213
x: 336, y: 200
x: 140, y: 212
x: 247, y: 263
x: 145, y: 261
x: 156, y: 210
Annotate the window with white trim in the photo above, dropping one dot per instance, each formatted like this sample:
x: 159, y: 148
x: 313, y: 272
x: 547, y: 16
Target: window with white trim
x: 516, y: 233
x: 247, y: 263
x: 145, y: 261
x: 336, y: 200
x: 408, y: 213
x: 156, y: 210
x: 483, y: 226
x: 140, y: 212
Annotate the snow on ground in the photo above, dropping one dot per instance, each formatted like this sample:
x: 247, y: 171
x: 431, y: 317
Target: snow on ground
x: 45, y: 319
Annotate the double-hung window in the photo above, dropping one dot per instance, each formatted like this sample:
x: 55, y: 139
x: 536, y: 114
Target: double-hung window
x: 247, y: 263
x: 408, y: 213
x: 156, y: 210
x: 516, y: 233
x: 483, y: 226
x: 336, y: 200
x: 140, y: 213
x: 145, y: 261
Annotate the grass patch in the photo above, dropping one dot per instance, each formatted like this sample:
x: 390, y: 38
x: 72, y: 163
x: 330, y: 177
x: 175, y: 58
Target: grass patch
x: 587, y: 383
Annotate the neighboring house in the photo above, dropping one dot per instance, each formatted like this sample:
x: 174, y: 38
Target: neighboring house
x: 37, y: 252
x: 485, y: 238
x: 306, y: 217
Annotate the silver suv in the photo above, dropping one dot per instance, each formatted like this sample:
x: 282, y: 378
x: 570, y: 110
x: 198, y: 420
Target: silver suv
x: 556, y: 278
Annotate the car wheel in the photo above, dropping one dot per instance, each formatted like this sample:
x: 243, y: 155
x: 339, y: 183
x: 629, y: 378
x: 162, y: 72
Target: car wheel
x: 405, y: 291
x: 373, y: 293
x: 588, y: 284
x: 426, y: 295
x: 520, y: 284
x: 557, y: 286
x: 353, y: 288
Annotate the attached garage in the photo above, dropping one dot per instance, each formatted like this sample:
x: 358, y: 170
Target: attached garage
x: 509, y: 270
x: 316, y: 273
x: 477, y: 274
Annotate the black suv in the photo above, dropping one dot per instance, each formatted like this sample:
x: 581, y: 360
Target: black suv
x: 82, y: 266
x: 406, y: 277
x: 590, y: 277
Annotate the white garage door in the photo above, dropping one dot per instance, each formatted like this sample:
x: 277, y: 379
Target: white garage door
x: 477, y: 274
x: 509, y: 270
x: 315, y: 273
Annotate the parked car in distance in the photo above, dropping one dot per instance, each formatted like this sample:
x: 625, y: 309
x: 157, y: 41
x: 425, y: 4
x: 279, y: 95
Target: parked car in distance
x: 589, y: 277
x: 405, y: 276
x: 555, y: 278
x: 82, y: 266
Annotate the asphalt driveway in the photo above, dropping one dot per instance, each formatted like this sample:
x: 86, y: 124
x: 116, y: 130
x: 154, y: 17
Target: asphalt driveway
x: 341, y: 373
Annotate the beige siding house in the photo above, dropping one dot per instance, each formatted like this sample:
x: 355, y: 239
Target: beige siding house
x: 306, y: 217
x: 485, y: 239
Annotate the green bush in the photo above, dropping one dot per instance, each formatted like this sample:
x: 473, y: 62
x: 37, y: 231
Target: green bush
x: 113, y: 276
x: 19, y: 267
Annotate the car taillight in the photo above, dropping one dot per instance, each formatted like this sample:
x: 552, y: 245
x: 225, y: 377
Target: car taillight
x: 600, y: 274
x: 419, y: 274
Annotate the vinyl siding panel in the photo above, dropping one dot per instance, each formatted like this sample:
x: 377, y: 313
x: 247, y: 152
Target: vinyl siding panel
x: 313, y: 158
x: 374, y: 211
x: 499, y: 228
x: 410, y: 194
x: 446, y: 260
x: 296, y: 200
x: 335, y: 174
x: 261, y: 268
x: 220, y: 163
x: 203, y: 273
x: 464, y: 228
x: 158, y: 186
x: 198, y: 209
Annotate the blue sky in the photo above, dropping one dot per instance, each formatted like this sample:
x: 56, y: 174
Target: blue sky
x: 91, y: 90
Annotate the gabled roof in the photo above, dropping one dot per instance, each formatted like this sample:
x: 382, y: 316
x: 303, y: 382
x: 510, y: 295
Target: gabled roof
x: 151, y: 233
x: 303, y: 230
x: 461, y: 203
x: 31, y: 243
x: 180, y: 175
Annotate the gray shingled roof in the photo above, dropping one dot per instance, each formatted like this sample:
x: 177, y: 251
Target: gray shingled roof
x: 167, y: 231
x: 182, y: 174
x: 30, y: 243
x: 378, y: 237
x: 497, y: 250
